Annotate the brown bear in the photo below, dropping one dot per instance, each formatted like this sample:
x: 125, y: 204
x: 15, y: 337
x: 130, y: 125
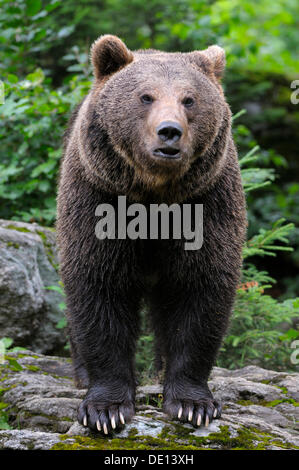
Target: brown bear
x: 155, y: 127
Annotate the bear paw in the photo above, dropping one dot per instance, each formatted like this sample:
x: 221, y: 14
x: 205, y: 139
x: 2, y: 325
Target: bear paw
x: 104, y: 415
x: 199, y: 409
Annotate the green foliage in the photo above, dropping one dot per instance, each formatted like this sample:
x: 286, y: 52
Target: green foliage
x: 25, y: 33
x: 12, y: 364
x: 262, y: 243
x: 6, y: 344
x: 261, y: 329
x: 33, y: 118
x: 34, y: 113
x: 4, y: 417
x: 145, y: 357
x: 254, y: 178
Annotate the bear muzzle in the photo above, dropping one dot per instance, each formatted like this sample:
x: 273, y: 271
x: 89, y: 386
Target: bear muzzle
x: 169, y: 132
x: 167, y: 152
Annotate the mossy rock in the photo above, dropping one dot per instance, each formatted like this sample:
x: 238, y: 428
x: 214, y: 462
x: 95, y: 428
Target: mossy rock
x: 39, y: 407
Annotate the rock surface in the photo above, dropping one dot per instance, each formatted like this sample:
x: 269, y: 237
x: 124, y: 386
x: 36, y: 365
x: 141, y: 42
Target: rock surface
x: 28, y: 264
x: 39, y: 402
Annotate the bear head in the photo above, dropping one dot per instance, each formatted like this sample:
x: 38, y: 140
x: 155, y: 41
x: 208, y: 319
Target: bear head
x: 154, y: 115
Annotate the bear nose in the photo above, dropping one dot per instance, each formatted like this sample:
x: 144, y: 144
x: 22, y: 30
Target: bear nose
x: 169, y: 131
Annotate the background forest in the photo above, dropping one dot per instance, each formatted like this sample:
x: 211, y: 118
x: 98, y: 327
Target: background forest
x: 45, y: 71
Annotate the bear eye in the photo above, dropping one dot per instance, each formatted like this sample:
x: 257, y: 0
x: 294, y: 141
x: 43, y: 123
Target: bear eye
x: 146, y: 99
x: 188, y: 102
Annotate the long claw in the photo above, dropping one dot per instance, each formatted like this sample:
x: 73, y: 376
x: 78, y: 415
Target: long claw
x: 215, y: 413
x: 190, y: 414
x: 105, y: 428
x: 113, y: 425
x: 121, y: 417
x: 85, y: 420
x: 207, y: 421
x: 98, y: 426
x: 198, y: 420
x: 180, y: 412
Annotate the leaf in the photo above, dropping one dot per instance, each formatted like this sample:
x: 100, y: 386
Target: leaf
x: 261, y: 244
x: 289, y: 335
x: 4, y: 426
x: 235, y: 341
x: 36, y: 77
x: 249, y: 156
x: 40, y: 35
x: 44, y: 186
x: 33, y: 7
x: 61, y: 324
x: 7, y: 342
x: 12, y: 78
x: 52, y: 5
x: 66, y: 31
x: 240, y: 113
x: 14, y: 365
x: 45, y: 167
x: 55, y: 288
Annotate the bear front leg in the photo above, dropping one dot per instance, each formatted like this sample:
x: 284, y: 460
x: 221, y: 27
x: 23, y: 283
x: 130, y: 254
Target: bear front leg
x: 192, y: 338
x: 103, y: 304
x: 189, y: 361
x: 191, y: 312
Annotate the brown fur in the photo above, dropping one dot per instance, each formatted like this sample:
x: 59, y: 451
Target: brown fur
x: 109, y: 151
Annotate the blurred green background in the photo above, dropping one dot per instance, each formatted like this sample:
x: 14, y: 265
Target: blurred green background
x: 44, y: 48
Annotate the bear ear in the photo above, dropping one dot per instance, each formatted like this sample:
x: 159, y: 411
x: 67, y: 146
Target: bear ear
x: 216, y: 56
x: 211, y: 60
x: 108, y: 55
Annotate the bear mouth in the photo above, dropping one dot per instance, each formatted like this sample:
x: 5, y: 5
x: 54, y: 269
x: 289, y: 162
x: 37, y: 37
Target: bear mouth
x: 167, y: 152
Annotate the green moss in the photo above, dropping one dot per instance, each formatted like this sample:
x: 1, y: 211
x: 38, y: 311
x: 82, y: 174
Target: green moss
x: 43, y: 236
x: 278, y: 402
x: 48, y: 249
x: 3, y: 390
x: 19, y: 229
x: 51, y: 423
x: 177, y: 437
x: 245, y: 402
x: 22, y: 355
x: 246, y: 438
x: 3, y: 405
x: 133, y: 432
x: 3, y: 377
x: 283, y: 389
x: 129, y: 443
x: 13, y: 245
x: 32, y: 368
x: 268, y: 403
x: 12, y: 364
